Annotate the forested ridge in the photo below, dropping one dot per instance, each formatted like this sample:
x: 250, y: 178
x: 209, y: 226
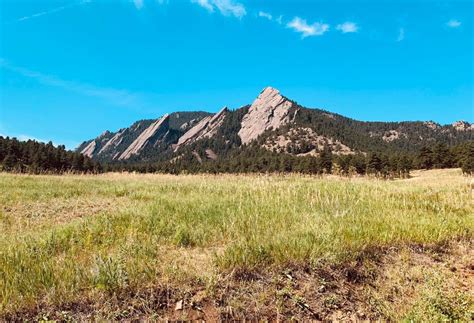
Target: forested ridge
x: 36, y: 157
x: 369, y: 136
x: 255, y: 159
x: 273, y: 134
x: 372, y: 155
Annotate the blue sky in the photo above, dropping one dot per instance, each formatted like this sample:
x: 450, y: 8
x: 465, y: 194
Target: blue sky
x: 71, y: 69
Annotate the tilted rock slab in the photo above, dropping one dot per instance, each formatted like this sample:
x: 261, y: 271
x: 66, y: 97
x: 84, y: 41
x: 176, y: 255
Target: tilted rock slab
x: 144, y: 137
x: 206, y: 128
x: 89, y: 149
x: 269, y: 110
x: 113, y: 142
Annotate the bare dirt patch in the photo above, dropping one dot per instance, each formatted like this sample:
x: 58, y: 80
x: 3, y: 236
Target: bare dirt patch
x: 383, y: 284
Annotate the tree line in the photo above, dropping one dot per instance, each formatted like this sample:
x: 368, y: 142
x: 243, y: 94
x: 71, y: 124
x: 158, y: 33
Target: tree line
x: 36, y: 157
x: 254, y: 159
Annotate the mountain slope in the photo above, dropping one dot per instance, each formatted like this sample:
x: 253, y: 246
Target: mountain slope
x: 150, y: 136
x: 206, y: 128
x: 273, y: 123
x: 113, y: 146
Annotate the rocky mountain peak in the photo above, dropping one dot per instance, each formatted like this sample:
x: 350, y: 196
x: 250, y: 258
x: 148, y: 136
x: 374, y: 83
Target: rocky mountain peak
x: 269, y: 98
x: 291, y: 129
x: 221, y: 112
x: 269, y: 111
x: 462, y: 125
x: 104, y: 134
x: 432, y: 125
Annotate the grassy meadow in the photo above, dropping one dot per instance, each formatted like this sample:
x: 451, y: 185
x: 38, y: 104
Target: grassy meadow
x: 160, y: 246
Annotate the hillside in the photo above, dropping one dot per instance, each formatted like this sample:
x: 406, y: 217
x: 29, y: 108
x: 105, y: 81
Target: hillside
x: 142, y: 137
x: 36, y: 157
x: 273, y: 123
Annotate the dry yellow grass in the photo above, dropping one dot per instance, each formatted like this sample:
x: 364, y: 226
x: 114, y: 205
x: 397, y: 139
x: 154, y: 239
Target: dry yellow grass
x: 65, y: 239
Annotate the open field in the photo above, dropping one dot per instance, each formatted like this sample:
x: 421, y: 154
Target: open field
x: 160, y: 246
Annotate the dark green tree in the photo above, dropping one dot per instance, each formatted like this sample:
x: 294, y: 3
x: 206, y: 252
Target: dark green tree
x: 441, y: 156
x: 425, y: 158
x: 326, y: 159
x: 467, y: 159
x: 374, y: 164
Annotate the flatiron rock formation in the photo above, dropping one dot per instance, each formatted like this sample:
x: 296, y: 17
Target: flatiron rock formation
x: 273, y: 123
x: 269, y: 111
x: 206, y: 128
x: 158, y: 128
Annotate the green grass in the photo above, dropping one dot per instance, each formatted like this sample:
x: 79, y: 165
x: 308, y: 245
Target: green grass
x: 441, y: 303
x: 63, y: 238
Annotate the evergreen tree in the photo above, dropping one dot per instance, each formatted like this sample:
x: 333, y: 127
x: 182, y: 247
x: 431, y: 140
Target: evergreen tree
x: 9, y: 162
x: 440, y: 156
x: 374, y: 164
x: 326, y: 159
x: 404, y: 166
x: 359, y: 163
x: 467, y: 159
x: 425, y: 159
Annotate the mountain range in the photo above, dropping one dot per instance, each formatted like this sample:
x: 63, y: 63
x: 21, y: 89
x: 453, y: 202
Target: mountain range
x: 272, y: 122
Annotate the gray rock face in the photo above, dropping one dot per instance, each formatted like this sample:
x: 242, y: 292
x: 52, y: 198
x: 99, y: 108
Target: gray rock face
x: 432, y: 125
x: 269, y: 111
x: 144, y: 138
x: 92, y: 147
x: 463, y: 126
x: 206, y: 128
x: 112, y: 143
x: 89, y: 149
x: 392, y: 135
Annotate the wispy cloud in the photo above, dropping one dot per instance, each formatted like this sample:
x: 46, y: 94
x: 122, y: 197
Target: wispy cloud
x: 270, y: 17
x: 453, y: 23
x: 138, y: 4
x: 230, y: 8
x: 301, y: 26
x: 51, y: 11
x: 401, y: 34
x: 205, y: 4
x: 225, y: 7
x: 111, y: 95
x: 347, y: 27
x: 266, y: 15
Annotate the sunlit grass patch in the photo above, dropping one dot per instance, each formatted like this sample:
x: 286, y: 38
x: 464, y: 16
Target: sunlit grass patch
x: 63, y: 238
